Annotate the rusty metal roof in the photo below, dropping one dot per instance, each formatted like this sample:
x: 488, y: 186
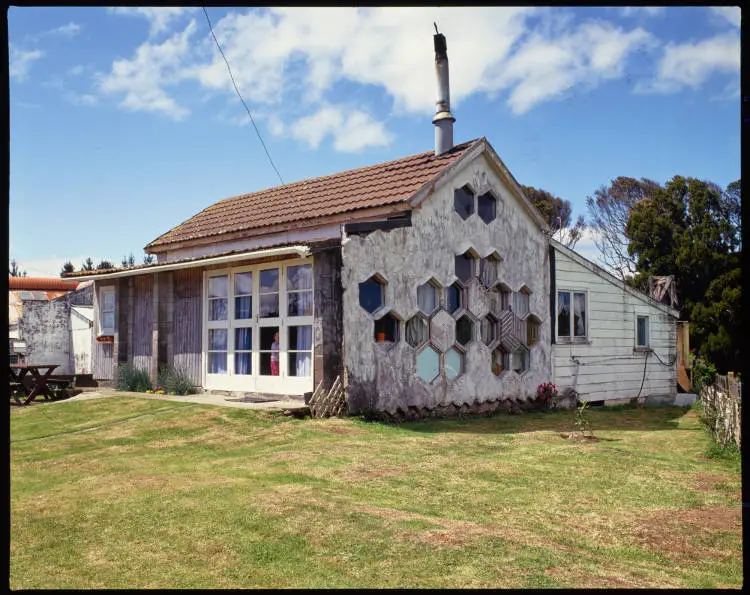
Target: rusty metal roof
x: 41, y: 284
x: 378, y: 185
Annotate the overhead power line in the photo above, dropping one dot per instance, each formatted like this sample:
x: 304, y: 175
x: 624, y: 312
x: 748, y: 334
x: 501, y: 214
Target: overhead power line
x: 240, y: 95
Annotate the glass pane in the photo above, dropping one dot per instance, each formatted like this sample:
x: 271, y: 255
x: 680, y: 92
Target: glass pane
x: 642, y: 334
x: 243, y: 307
x: 416, y: 331
x: 579, y: 314
x: 265, y: 365
x: 217, y: 340
x: 269, y: 305
x: 243, y: 339
x: 300, y: 303
x: 242, y: 363
x: 269, y: 280
x: 563, y: 314
x: 108, y: 320
x: 463, y: 201
x: 300, y: 364
x: 217, y: 362
x: 300, y: 338
x: 427, y: 298
x: 464, y: 267
x: 464, y: 330
x: 218, y: 287
x: 486, y: 207
x: 217, y: 309
x: 452, y: 364
x: 243, y: 284
x: 268, y: 336
x: 428, y: 364
x: 452, y: 299
x: 370, y: 295
x: 299, y: 277
x: 109, y: 300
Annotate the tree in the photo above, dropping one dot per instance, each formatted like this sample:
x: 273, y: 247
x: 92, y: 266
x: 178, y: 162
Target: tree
x: 148, y: 258
x: 67, y: 268
x: 558, y: 215
x: 688, y: 229
x: 609, y: 210
x: 14, y: 270
x: 104, y: 264
x: 88, y: 265
x: 128, y: 261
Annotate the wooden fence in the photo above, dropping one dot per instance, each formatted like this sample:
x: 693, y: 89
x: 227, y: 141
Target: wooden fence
x: 329, y: 403
x: 722, y: 409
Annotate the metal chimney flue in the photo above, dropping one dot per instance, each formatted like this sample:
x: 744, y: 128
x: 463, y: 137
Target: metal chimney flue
x: 443, y: 119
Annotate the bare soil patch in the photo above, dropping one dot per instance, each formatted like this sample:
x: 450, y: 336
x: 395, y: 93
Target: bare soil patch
x: 579, y: 438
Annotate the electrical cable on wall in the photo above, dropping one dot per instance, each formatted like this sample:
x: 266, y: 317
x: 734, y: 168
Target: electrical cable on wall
x: 240, y: 95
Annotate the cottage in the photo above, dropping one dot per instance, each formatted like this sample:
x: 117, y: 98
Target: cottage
x: 422, y: 284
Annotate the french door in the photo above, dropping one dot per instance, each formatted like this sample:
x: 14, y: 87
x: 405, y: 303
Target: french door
x: 258, y: 328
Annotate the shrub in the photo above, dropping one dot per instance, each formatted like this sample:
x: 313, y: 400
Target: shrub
x: 704, y: 373
x: 175, y: 380
x: 581, y: 421
x: 545, y: 392
x: 132, y: 379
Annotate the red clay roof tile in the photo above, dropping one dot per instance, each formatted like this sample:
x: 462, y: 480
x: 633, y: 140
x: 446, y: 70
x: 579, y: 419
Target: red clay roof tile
x: 372, y: 186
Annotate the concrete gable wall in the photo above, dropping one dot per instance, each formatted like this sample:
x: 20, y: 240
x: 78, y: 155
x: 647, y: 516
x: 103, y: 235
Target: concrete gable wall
x: 383, y: 376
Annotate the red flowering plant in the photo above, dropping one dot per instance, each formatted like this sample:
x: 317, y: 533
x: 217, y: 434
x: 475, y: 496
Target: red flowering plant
x: 545, y: 392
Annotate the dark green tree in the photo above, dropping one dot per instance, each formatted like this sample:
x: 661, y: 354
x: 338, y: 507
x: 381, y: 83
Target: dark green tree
x: 689, y: 229
x: 104, y: 264
x: 148, y: 258
x: 88, y: 265
x: 128, y: 261
x: 558, y: 214
x: 67, y: 268
x: 14, y: 270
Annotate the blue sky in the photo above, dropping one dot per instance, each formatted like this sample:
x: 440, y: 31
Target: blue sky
x: 124, y: 123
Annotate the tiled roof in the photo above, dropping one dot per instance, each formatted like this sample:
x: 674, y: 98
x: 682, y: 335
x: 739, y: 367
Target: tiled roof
x: 378, y: 185
x: 41, y: 284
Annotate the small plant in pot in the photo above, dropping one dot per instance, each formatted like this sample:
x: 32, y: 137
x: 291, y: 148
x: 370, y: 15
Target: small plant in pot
x: 545, y: 395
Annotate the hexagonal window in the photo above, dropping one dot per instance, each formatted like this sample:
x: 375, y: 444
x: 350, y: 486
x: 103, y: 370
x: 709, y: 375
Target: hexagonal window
x: 519, y: 360
x: 500, y: 361
x: 464, y: 330
x: 463, y: 201
x: 488, y: 329
x: 455, y: 298
x: 504, y: 294
x: 417, y: 331
x: 487, y: 207
x: 386, y: 328
x: 465, y: 265
x: 489, y: 268
x: 428, y: 364
x: 532, y: 330
x: 521, y: 301
x: 454, y: 363
x: 372, y: 293
x: 428, y: 297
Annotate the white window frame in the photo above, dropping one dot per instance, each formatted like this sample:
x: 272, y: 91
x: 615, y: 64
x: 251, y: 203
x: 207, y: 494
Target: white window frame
x: 647, y: 344
x: 283, y: 383
x: 572, y: 338
x: 104, y: 330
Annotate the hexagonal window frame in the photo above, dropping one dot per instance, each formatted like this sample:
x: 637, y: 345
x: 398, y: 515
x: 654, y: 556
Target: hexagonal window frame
x: 487, y: 206
x: 471, y: 321
x: 379, y: 280
x: 391, y: 329
x: 460, y: 261
x: 438, y: 357
x: 489, y: 269
x: 489, y: 324
x: 500, y: 361
x: 433, y: 284
x: 461, y: 362
x: 522, y: 302
x: 408, y: 334
x: 531, y: 333
x: 526, y: 360
x: 464, y: 201
x: 460, y: 292
x: 504, y: 294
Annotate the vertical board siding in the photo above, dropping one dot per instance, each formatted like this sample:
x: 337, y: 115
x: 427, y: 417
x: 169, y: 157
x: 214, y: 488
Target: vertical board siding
x: 608, y: 367
x: 104, y: 360
x: 143, y: 321
x: 329, y: 323
x: 187, y: 321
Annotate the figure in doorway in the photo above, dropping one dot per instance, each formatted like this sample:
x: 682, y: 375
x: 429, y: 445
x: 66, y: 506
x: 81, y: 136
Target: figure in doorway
x: 275, y: 355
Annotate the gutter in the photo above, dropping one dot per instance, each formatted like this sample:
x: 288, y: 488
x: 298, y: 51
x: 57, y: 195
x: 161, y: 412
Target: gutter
x: 302, y: 251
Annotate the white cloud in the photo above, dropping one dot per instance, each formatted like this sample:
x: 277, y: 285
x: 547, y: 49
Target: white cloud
x: 690, y: 64
x: 730, y: 13
x: 142, y: 79
x: 160, y: 18
x: 82, y: 99
x: 69, y: 30
x: 651, y: 11
x: 76, y: 70
x: 20, y: 61
x: 351, y: 129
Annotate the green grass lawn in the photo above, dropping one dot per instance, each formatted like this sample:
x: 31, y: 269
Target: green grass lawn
x: 134, y: 493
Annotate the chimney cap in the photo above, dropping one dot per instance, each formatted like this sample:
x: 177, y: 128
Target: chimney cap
x: 441, y: 48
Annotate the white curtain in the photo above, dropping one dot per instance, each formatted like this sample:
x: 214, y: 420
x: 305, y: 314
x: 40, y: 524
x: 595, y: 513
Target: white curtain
x: 304, y: 343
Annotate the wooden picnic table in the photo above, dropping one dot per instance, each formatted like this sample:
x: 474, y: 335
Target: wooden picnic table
x: 17, y: 374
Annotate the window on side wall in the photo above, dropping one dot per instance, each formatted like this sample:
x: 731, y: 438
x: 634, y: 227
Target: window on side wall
x: 107, y: 311
x: 572, y: 317
x: 641, y: 332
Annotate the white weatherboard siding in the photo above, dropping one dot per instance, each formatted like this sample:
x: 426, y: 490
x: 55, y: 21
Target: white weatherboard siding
x: 609, y: 367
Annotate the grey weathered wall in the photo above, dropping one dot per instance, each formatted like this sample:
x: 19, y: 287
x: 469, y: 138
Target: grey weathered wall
x: 328, y: 327
x: 143, y: 320
x: 187, y: 324
x: 46, y: 330
x: 382, y: 376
